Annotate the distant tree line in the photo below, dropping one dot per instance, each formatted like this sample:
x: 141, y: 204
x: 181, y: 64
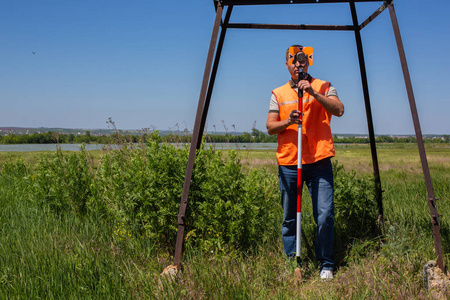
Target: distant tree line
x: 389, y: 139
x: 256, y: 136
x: 52, y: 138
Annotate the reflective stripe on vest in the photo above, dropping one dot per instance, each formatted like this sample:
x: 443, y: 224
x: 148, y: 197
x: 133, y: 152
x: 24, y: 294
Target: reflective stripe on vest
x: 317, y: 138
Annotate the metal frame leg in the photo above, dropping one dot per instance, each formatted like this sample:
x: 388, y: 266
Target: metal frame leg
x: 420, y: 144
x: 362, y: 67
x: 196, y: 137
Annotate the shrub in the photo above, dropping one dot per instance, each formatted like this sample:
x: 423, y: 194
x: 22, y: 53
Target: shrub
x: 64, y: 181
x: 14, y: 178
x: 141, y: 188
x: 15, y: 169
x: 356, y: 211
x: 230, y: 207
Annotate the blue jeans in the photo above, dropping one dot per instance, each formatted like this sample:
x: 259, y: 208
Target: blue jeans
x: 319, y: 180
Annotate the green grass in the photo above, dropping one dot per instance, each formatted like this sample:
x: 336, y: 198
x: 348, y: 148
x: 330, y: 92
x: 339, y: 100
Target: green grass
x: 70, y: 256
x: 46, y: 256
x: 33, y: 157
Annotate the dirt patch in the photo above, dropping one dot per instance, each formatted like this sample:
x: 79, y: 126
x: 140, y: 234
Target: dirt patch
x: 436, y: 282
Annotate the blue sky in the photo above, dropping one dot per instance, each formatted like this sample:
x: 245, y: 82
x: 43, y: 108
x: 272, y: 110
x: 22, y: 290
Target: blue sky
x: 74, y: 64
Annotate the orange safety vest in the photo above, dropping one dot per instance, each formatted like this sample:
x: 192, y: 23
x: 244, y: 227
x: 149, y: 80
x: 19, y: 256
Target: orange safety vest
x: 317, y: 142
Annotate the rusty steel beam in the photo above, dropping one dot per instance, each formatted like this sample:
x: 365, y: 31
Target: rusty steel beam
x: 213, y: 73
x: 423, y: 158
x: 374, y: 15
x: 362, y: 68
x: 195, y: 138
x: 290, y: 26
x: 260, y: 2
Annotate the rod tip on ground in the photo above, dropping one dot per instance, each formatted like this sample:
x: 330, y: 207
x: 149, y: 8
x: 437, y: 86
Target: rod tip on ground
x: 298, y: 275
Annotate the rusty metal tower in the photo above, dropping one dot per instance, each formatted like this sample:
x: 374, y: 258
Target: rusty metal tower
x: 212, y: 62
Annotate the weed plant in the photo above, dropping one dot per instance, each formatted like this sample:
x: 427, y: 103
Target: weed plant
x: 77, y: 227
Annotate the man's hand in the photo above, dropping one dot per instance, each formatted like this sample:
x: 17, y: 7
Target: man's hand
x: 332, y: 104
x: 294, y: 117
x: 305, y: 85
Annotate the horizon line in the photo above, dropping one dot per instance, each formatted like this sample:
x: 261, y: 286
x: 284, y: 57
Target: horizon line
x: 2, y: 128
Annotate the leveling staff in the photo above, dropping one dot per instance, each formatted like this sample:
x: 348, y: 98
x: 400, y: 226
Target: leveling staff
x: 320, y: 102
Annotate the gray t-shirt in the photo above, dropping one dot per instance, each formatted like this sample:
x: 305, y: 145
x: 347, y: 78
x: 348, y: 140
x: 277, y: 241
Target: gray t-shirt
x: 273, y: 107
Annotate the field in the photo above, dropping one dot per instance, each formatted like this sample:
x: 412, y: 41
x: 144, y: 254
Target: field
x: 81, y: 225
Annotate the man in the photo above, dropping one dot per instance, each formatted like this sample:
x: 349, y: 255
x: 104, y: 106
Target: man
x: 320, y: 102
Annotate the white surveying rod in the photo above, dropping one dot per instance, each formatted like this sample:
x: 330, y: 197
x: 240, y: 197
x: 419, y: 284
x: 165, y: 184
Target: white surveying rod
x: 299, y: 172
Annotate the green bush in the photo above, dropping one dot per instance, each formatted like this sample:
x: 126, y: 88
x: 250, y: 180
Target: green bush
x: 15, y: 169
x: 356, y: 211
x: 64, y: 181
x: 14, y: 179
x: 140, y: 188
x: 231, y: 207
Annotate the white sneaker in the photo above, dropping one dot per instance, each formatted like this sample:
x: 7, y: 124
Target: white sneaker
x: 326, y: 274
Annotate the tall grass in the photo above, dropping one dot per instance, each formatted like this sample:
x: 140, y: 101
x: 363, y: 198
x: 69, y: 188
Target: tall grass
x: 77, y: 227
x: 46, y: 255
